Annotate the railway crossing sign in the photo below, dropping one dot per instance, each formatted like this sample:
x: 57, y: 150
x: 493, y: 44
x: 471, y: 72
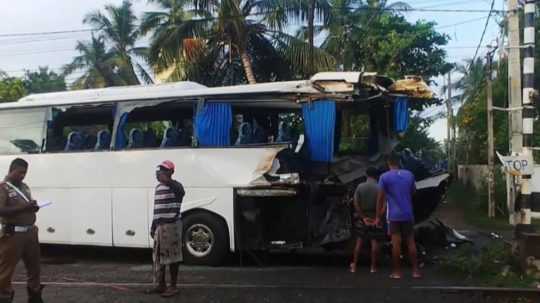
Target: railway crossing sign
x: 517, y: 165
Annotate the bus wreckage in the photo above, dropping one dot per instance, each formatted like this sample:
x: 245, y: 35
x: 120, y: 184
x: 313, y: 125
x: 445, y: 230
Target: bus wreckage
x: 265, y: 166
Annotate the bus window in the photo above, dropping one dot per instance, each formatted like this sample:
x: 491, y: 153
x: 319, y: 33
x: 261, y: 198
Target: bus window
x: 21, y: 130
x: 161, y: 126
x: 266, y: 126
x: 354, y: 133
x: 80, y: 128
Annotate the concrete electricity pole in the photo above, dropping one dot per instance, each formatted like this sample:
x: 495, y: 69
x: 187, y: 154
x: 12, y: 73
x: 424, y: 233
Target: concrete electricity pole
x: 449, y: 123
x: 491, y: 141
x: 514, y: 88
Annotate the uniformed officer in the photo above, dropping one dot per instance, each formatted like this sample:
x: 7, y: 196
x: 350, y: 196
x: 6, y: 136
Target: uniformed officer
x: 18, y: 235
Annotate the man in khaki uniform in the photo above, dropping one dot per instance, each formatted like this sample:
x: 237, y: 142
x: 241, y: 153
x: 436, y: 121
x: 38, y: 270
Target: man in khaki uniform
x: 18, y: 235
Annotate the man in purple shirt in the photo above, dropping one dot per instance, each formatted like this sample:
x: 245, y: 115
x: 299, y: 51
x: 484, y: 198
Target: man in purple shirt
x: 397, y: 187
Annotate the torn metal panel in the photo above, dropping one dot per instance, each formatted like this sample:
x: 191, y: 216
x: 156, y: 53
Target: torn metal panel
x: 432, y: 181
x: 413, y: 86
x: 267, y: 192
x: 267, y: 162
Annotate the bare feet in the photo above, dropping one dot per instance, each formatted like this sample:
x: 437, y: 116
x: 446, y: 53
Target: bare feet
x: 352, y: 267
x: 373, y: 269
x: 395, y: 275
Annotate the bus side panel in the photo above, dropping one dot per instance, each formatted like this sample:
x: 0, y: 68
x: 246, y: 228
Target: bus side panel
x: 131, y: 223
x: 54, y: 228
x: 77, y: 216
x: 91, y: 215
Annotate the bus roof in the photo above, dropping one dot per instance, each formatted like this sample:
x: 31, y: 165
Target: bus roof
x: 340, y: 82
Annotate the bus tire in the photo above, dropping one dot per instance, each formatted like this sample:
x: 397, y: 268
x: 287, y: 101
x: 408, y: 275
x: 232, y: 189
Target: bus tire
x: 205, y: 239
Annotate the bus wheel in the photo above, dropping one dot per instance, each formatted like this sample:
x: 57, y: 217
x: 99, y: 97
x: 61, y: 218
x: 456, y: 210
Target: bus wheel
x: 205, y: 239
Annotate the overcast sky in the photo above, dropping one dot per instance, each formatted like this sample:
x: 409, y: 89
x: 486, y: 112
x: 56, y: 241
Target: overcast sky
x: 29, y: 16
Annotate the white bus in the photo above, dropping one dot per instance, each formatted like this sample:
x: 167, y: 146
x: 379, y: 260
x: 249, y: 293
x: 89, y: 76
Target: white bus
x: 264, y: 166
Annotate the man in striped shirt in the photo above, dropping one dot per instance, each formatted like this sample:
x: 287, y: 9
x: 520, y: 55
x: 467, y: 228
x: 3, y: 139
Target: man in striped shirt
x: 166, y: 230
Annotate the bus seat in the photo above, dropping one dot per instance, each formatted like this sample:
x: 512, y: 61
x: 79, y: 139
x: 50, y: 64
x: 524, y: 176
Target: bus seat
x: 284, y: 133
x: 89, y: 141
x: 150, y: 138
x: 170, y: 138
x: 136, y: 139
x: 244, y: 134
x: 103, y: 140
x: 74, y: 141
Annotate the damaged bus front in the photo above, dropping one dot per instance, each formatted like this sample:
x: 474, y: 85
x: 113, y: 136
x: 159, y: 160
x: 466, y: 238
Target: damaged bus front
x: 301, y: 197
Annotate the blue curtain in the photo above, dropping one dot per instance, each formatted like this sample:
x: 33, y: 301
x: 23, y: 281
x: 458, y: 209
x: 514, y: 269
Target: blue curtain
x: 401, y: 114
x: 213, y: 125
x: 121, y: 139
x: 320, y: 125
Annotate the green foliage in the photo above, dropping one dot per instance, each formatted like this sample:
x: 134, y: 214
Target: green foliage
x: 110, y: 58
x: 11, y: 89
x: 417, y: 138
x: 97, y: 63
x: 474, y: 204
x: 472, y: 117
x: 492, y: 265
x: 43, y: 81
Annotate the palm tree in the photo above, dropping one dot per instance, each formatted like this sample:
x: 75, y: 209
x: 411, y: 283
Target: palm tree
x: 226, y: 30
x: 173, y: 39
x: 97, y: 63
x: 119, y: 28
x: 342, y: 21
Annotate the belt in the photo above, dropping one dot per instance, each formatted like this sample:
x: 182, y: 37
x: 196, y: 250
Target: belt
x: 17, y: 228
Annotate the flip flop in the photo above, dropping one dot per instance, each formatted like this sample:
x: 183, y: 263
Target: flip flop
x: 352, y: 268
x: 417, y: 275
x: 155, y: 290
x: 373, y: 270
x: 171, y: 292
x: 395, y: 276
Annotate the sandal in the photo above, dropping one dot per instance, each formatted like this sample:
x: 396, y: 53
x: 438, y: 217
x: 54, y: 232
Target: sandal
x: 352, y: 268
x: 373, y: 270
x: 155, y: 290
x: 170, y: 292
x: 416, y: 275
x: 395, y: 276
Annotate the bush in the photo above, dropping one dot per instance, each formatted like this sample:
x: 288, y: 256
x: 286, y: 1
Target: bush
x: 492, y: 265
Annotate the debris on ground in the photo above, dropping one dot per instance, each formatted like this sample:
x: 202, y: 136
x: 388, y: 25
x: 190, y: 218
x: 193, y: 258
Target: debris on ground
x: 436, y: 234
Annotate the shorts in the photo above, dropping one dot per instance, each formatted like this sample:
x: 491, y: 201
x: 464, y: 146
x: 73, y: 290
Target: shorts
x: 364, y: 232
x: 404, y: 228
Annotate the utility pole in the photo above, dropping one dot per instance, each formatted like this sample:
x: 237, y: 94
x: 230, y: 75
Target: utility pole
x: 491, y: 144
x: 529, y: 111
x: 514, y: 83
x: 449, y: 124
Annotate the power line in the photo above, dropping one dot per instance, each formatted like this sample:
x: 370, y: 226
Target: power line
x: 38, y: 52
x: 45, y: 33
x: 447, y: 4
x: 483, y: 33
x: 460, y: 23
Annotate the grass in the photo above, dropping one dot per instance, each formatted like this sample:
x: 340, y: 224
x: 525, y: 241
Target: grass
x: 494, y: 266
x: 474, y: 206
